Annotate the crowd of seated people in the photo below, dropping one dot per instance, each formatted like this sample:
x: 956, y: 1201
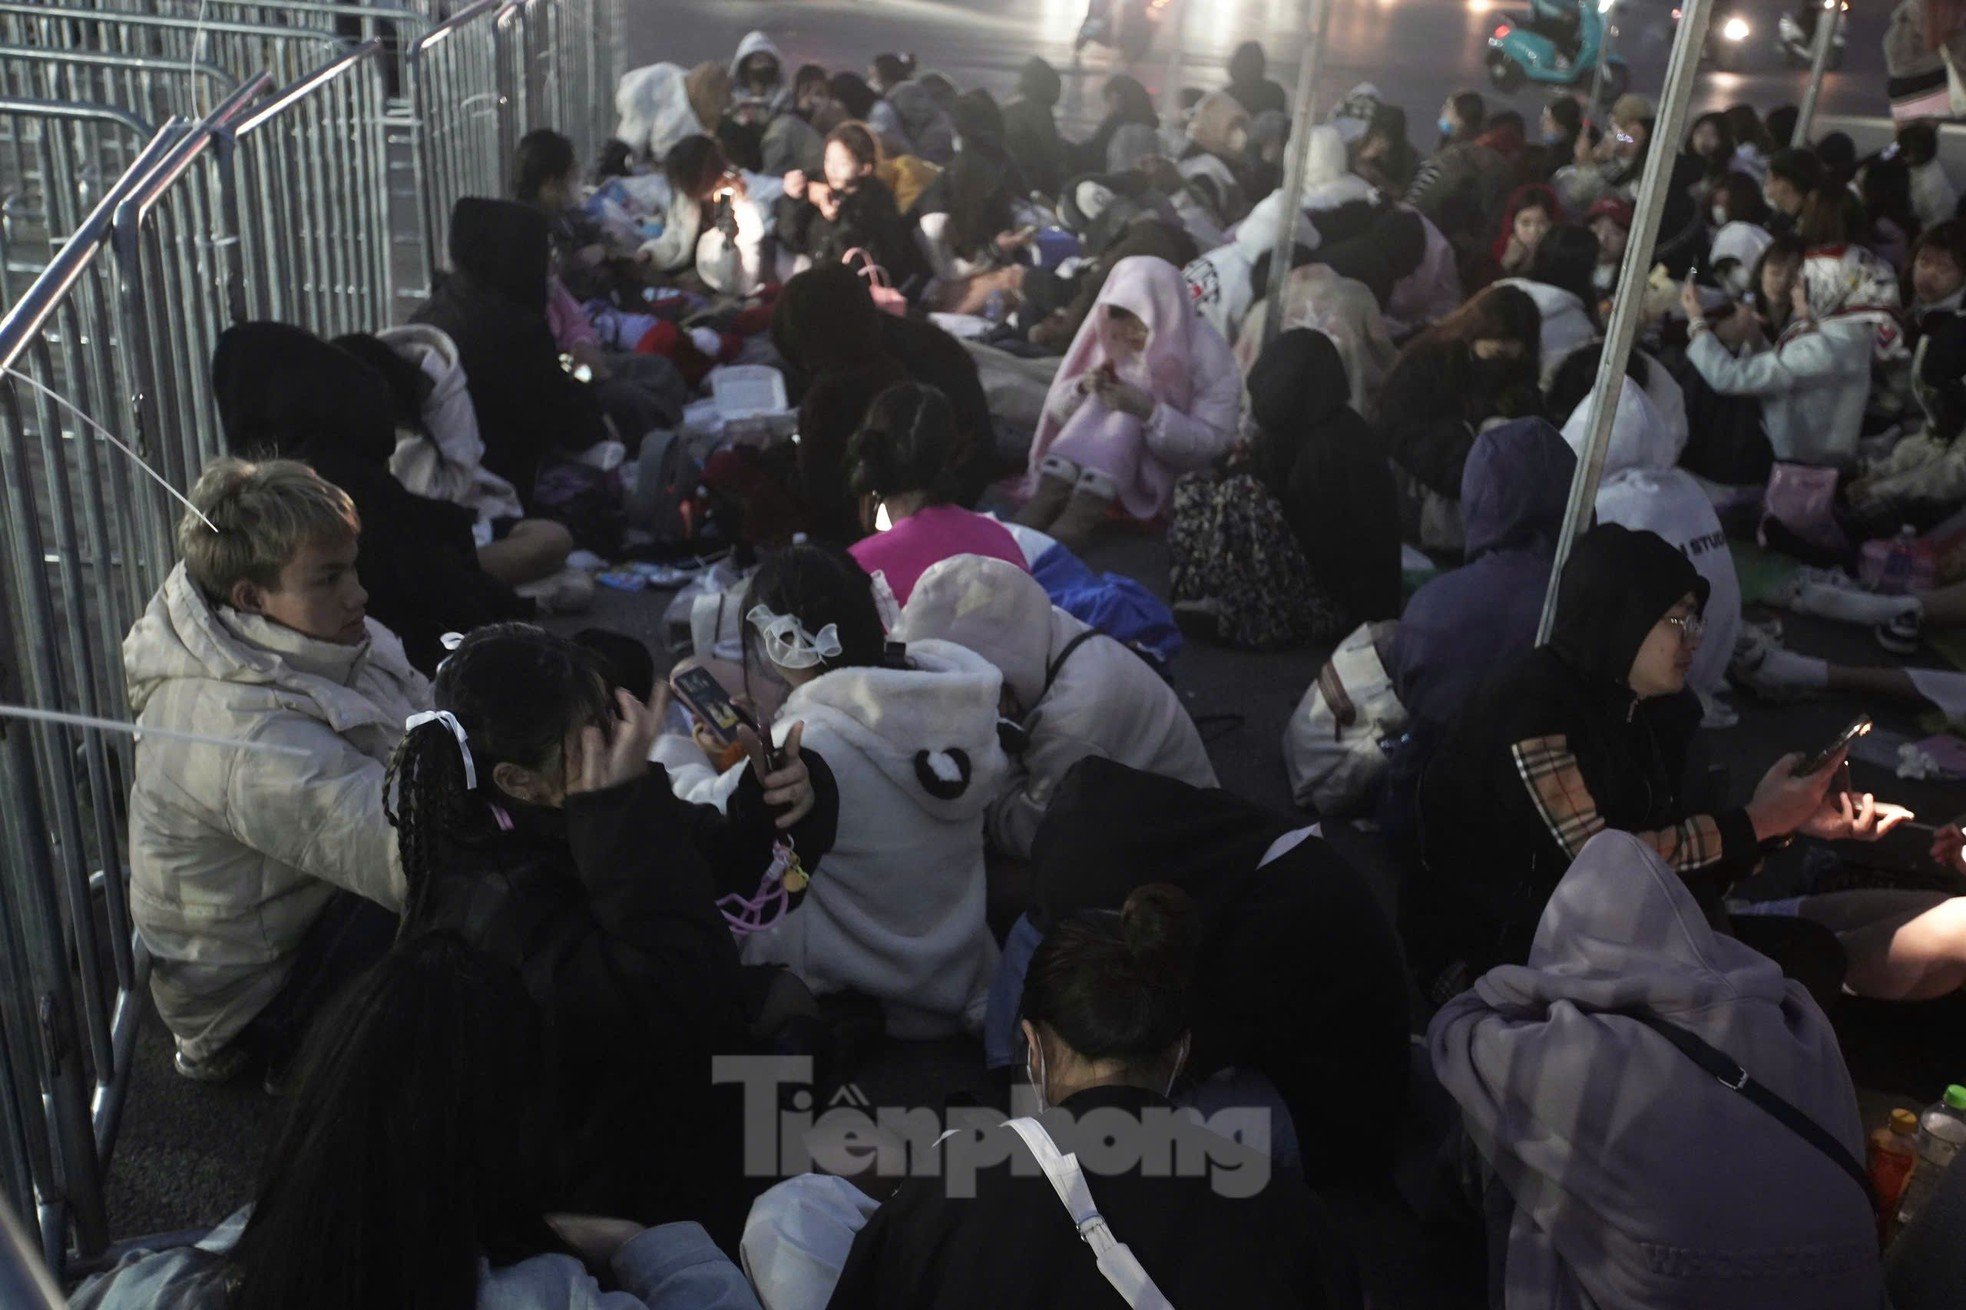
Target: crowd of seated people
x: 498, y: 910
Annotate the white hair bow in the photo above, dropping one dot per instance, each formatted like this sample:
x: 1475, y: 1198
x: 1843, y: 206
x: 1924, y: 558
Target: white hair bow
x: 787, y: 642
x: 449, y: 720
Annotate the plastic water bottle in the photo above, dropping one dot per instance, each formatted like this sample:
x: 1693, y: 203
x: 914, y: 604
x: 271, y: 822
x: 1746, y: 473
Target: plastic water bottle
x: 1900, y: 566
x: 1941, y: 1134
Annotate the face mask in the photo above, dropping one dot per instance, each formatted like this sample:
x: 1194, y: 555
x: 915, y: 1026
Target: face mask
x: 1719, y: 216
x: 1552, y: 136
x: 1446, y: 126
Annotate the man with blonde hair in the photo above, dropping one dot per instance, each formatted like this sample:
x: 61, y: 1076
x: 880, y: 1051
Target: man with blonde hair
x: 264, y: 871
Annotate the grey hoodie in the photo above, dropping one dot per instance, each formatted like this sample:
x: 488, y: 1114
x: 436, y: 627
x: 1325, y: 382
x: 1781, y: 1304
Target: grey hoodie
x: 1638, y: 1179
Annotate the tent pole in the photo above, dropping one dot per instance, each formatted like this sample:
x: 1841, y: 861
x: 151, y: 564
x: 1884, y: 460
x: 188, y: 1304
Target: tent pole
x: 1302, y: 116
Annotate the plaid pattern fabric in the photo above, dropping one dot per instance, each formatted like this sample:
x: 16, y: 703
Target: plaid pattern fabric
x: 1556, y: 785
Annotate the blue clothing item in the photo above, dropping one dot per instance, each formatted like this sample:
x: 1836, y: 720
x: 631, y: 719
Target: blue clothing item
x: 670, y: 1267
x: 1118, y: 606
x: 1001, y: 1047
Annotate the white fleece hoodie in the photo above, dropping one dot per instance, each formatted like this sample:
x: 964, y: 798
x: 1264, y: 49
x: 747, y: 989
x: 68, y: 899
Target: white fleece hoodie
x: 896, y: 910
x: 1567, y: 322
x: 1102, y: 699
x: 449, y: 463
x: 1644, y: 489
x: 1638, y: 1178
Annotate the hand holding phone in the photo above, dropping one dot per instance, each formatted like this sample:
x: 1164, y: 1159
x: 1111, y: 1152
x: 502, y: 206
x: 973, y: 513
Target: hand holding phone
x: 719, y: 715
x: 1816, y: 763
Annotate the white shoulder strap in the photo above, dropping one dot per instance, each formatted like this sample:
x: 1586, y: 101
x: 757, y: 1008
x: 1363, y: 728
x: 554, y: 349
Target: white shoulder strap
x: 1116, y: 1260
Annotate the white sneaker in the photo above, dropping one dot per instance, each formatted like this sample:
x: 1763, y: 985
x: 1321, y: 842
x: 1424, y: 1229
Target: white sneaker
x: 1834, y: 594
x: 1766, y: 671
x: 569, y: 591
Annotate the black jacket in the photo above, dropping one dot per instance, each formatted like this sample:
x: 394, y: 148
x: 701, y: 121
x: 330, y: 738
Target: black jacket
x: 493, y: 305
x: 1491, y: 860
x: 1437, y: 397
x: 1299, y: 975
x: 868, y: 220
x: 608, y: 909
x: 1324, y: 465
x: 283, y: 391
x: 1012, y: 1243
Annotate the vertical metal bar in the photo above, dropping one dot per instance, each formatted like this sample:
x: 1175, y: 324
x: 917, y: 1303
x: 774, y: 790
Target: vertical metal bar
x: 1603, y: 57
x: 1302, y: 117
x: 1827, y: 23
x: 1661, y: 152
x: 1177, y: 59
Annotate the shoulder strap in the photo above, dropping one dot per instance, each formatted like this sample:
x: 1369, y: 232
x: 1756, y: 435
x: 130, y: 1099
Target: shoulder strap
x: 1733, y: 1077
x: 1057, y: 665
x: 1116, y: 1261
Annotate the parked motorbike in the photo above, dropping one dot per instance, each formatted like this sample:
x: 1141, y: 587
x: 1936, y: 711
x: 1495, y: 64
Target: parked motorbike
x: 1520, y: 51
x: 1127, y: 26
x: 1731, y: 39
x: 1796, y: 33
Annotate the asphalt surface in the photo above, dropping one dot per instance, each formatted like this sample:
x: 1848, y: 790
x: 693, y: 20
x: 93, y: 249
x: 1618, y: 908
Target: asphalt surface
x: 188, y: 1152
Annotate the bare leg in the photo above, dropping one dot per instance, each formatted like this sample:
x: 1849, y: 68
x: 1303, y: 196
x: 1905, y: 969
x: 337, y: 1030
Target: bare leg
x: 1902, y: 946
x: 533, y: 549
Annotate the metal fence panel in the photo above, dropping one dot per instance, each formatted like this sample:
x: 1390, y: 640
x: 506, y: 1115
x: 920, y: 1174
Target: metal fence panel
x: 152, y: 89
x: 57, y: 160
x: 286, y: 51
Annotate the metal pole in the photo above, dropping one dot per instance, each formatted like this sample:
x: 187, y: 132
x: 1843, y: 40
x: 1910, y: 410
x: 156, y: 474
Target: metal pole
x: 1826, y: 24
x: 1603, y: 59
x: 1177, y: 58
x: 1299, y: 163
x: 1662, y: 151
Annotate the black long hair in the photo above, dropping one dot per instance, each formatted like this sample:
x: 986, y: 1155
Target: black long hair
x: 1567, y: 259
x: 907, y: 443
x: 420, y: 1139
x: 822, y: 585
x: 517, y: 691
x: 542, y: 156
x: 1118, y: 986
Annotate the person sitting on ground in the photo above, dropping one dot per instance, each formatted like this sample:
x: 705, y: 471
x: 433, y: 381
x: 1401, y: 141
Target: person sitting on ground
x: 1148, y: 391
x: 1073, y: 692
x: 1592, y: 732
x: 1532, y: 211
x: 1562, y: 281
x: 1461, y: 626
x: 1884, y: 186
x: 438, y: 454
x: 1214, y: 162
x: 1480, y: 364
x: 971, y: 216
x: 1106, y: 1013
x: 1613, y: 164
x: 1249, y: 83
x: 1643, y: 488
x: 1814, y: 382
x: 1460, y: 189
x: 910, y: 735
x: 1711, y: 142
x: 283, y: 392
x: 1610, y: 221
x: 1637, y: 1149
x: 425, y: 1097
x: 1116, y: 226
x: 546, y: 174
x: 905, y: 464
x: 530, y: 410
x: 1558, y: 127
x: 1793, y: 176
x: 1933, y: 196
x: 655, y: 111
x: 851, y: 209
x: 1739, y: 216
x: 1383, y: 156
x: 757, y: 79
x: 532, y: 824
x: 262, y: 873
x: 1127, y: 102
x: 713, y: 233
x: 1030, y: 127
x: 910, y: 121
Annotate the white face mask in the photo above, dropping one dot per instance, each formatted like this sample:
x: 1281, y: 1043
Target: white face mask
x: 1719, y: 216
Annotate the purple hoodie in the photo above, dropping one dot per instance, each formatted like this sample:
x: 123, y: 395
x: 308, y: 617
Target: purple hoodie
x: 1638, y: 1179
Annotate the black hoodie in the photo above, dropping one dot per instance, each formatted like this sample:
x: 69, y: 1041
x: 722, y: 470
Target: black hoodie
x: 493, y: 305
x: 1491, y: 858
x: 283, y: 391
x: 1323, y: 464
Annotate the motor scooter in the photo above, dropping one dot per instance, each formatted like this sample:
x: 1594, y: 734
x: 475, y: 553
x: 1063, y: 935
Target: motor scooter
x: 1519, y: 52
x: 1127, y: 26
x: 1795, y: 33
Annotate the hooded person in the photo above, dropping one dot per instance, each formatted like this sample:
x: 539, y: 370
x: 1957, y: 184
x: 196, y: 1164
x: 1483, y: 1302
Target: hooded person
x: 1074, y: 691
x: 653, y: 105
x: 493, y: 306
x: 1147, y: 391
x: 1030, y: 124
x: 1343, y: 310
x: 897, y: 911
x: 1323, y: 464
x: 1255, y: 92
x: 1432, y: 291
x: 1218, y: 143
x: 1127, y: 103
x: 1643, y: 488
x: 920, y: 125
x: 1222, y: 279
x: 1123, y: 230
x: 1633, y: 1175
x: 282, y: 391
x: 1814, y: 382
x: 1375, y: 245
x: 1560, y: 281
x: 757, y: 79
x: 708, y: 86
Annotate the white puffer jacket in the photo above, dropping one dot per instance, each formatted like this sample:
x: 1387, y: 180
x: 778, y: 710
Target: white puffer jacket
x: 1098, y: 699
x: 448, y: 463
x: 896, y: 910
x: 1567, y: 322
x: 234, y: 852
x: 1644, y: 489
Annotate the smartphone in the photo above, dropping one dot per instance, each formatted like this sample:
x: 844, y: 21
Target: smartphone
x: 1857, y: 727
x: 712, y: 706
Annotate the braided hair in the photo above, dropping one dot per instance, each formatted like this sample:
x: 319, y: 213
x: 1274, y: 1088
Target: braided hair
x: 517, y: 691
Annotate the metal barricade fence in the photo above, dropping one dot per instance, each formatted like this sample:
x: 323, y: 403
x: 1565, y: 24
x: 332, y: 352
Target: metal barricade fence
x: 154, y: 90
x: 57, y: 159
x: 285, y: 51
x: 460, y: 151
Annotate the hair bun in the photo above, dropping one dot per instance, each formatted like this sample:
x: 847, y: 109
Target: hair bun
x: 1158, y: 925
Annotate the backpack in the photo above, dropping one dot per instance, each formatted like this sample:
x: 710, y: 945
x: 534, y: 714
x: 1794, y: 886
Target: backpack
x: 1231, y: 546
x: 1332, y: 746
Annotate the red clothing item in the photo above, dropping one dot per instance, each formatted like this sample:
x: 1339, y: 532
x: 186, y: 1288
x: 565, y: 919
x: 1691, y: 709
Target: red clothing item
x: 927, y: 537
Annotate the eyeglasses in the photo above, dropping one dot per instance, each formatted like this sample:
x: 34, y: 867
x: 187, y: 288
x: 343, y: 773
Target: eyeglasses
x: 1690, y: 626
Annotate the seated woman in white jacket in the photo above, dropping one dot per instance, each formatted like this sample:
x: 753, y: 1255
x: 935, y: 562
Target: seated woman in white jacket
x: 896, y: 911
x: 1560, y: 282
x: 1147, y: 392
x: 1814, y: 380
x: 1074, y: 691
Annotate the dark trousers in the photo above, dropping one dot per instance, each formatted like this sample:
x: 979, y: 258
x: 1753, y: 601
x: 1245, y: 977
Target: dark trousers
x: 351, y: 934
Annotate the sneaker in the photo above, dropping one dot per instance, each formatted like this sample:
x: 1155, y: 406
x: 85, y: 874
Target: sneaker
x: 1834, y: 594
x: 1766, y: 671
x: 1903, y: 634
x: 222, y: 1066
